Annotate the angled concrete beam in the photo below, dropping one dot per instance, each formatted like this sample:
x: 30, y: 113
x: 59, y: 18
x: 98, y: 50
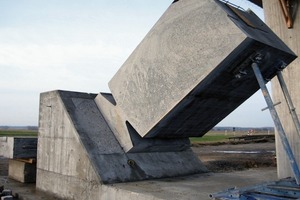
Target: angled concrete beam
x: 190, y: 71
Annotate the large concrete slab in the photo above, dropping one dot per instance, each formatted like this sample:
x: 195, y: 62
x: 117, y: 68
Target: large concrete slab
x: 191, y: 70
x: 18, y: 147
x: 275, y: 19
x: 22, y: 171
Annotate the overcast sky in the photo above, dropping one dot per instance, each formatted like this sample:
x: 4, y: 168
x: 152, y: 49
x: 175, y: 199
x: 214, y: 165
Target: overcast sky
x: 79, y: 45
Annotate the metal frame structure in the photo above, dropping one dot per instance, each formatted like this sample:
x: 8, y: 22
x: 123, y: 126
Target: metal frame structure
x: 289, y: 101
x: 276, y: 190
x: 277, y: 122
x: 282, y: 189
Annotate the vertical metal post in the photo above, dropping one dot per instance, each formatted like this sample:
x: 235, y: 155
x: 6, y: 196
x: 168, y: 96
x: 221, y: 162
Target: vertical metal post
x: 289, y: 102
x: 277, y: 122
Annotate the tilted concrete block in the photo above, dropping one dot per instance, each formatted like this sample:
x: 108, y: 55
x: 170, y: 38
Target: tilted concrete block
x: 18, y: 147
x: 191, y: 70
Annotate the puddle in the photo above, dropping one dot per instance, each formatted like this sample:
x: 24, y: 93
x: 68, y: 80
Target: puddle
x: 244, y: 152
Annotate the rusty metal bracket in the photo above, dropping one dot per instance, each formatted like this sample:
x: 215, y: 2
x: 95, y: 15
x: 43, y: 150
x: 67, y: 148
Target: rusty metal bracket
x: 289, y: 8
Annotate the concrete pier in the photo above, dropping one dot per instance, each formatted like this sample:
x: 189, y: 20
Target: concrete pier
x: 21, y: 171
x: 77, y: 151
x: 275, y: 19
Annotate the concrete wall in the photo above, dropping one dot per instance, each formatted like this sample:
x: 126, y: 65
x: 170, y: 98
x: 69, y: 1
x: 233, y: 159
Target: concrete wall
x: 63, y: 167
x: 6, y: 147
x: 275, y: 20
x: 18, y: 147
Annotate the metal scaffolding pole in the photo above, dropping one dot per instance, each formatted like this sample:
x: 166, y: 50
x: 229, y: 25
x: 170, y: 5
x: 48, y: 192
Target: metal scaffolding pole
x: 289, y: 102
x: 277, y: 122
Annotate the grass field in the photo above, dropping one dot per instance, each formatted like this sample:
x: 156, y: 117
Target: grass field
x: 219, y: 136
x: 214, y: 136
x: 211, y: 136
x: 12, y: 133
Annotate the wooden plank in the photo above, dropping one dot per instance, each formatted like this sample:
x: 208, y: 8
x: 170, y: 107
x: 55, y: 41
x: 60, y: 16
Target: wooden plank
x: 29, y: 160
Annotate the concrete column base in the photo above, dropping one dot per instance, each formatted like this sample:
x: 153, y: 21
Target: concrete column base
x: 22, y: 171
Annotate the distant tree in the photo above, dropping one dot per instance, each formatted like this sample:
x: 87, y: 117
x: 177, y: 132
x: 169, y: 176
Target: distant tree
x: 4, y: 127
x: 32, y: 128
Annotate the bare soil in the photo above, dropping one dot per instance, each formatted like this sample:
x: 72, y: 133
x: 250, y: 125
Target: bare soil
x: 236, y: 156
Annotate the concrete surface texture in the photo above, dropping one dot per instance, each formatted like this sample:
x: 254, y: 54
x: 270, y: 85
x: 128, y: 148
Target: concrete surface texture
x: 6, y: 147
x: 18, y: 147
x: 189, y: 187
x: 183, y: 47
x: 193, y: 187
x: 77, y: 152
x: 61, y: 162
x: 275, y: 19
x: 22, y: 171
x: 191, y: 70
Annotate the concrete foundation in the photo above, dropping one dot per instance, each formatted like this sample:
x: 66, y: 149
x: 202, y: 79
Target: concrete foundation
x: 22, y: 171
x: 18, y: 147
x: 77, y: 151
x: 189, y: 187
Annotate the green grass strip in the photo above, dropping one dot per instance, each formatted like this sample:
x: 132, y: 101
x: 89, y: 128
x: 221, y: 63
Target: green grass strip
x: 13, y: 133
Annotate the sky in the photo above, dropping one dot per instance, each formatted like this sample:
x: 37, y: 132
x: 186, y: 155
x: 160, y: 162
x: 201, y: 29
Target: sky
x: 79, y: 45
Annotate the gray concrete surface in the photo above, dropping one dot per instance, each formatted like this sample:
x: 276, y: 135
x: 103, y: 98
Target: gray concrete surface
x: 77, y: 152
x: 191, y: 70
x: 189, y: 187
x: 22, y: 171
x: 18, y: 147
x: 184, y: 46
x: 275, y: 20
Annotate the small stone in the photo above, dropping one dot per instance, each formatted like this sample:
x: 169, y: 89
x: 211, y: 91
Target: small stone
x: 8, y: 197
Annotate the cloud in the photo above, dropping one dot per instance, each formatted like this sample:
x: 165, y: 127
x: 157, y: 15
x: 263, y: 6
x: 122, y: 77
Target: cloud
x: 57, y: 64
x: 78, y: 46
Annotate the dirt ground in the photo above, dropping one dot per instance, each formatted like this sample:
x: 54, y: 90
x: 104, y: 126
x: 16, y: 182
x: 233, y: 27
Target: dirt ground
x: 234, y: 157
x: 217, y: 158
